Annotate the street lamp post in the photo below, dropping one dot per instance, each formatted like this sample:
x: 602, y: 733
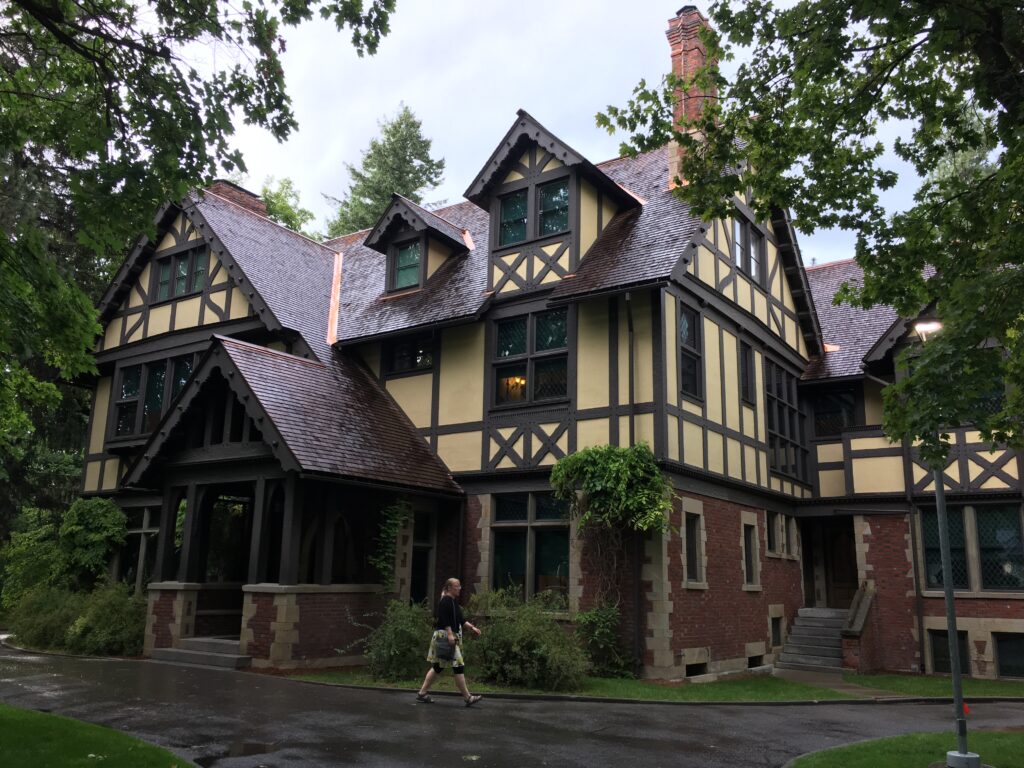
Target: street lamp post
x: 961, y: 758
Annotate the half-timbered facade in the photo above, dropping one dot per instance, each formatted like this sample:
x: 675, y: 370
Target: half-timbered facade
x: 262, y: 397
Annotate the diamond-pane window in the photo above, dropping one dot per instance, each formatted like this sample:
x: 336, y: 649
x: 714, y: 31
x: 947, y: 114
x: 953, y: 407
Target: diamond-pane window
x: 153, y: 404
x: 512, y: 218
x: 550, y: 508
x: 197, y: 279
x: 550, y: 378
x: 1001, y: 546
x: 512, y: 507
x: 551, y: 330
x: 554, y: 208
x: 510, y: 384
x: 530, y: 532
x: 512, y: 337
x: 932, y: 551
x: 163, y: 284
x: 181, y: 274
x: 182, y: 370
x: 407, y: 265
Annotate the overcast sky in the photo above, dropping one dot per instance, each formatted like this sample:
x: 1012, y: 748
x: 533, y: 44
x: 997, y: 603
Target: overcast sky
x: 464, y: 67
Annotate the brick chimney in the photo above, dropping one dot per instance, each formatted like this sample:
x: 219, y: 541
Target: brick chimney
x: 688, y: 55
x: 239, y: 196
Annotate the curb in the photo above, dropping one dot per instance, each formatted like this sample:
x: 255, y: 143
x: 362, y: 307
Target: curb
x: 63, y: 654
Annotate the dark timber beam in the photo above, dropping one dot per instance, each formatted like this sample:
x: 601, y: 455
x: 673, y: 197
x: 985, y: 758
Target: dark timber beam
x: 165, y: 539
x: 257, y: 552
x: 291, y: 533
x: 189, y: 566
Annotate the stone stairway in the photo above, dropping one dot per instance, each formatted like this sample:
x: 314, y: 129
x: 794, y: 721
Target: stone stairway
x: 205, y: 652
x: 814, y: 642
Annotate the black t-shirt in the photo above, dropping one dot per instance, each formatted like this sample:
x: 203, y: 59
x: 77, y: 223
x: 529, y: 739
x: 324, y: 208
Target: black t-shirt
x: 449, y: 614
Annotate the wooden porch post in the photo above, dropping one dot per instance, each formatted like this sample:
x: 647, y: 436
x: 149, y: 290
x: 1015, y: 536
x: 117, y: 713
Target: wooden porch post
x: 325, y: 559
x: 291, y: 534
x: 165, y: 538
x: 189, y: 565
x: 257, y: 552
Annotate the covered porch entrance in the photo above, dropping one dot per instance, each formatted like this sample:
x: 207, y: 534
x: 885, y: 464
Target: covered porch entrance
x: 829, y: 561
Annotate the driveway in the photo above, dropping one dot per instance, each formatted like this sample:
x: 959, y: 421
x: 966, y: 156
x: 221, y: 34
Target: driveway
x: 233, y: 719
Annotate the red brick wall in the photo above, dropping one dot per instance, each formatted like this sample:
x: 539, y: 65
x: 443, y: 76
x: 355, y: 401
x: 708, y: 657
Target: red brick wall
x: 163, y: 613
x: 448, y: 564
x: 239, y: 196
x: 725, y: 617
x: 328, y: 623
x: 888, y: 640
x: 262, y: 637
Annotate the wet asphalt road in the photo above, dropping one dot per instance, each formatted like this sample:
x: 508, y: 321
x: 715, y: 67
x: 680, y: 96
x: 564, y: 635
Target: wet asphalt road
x: 233, y: 719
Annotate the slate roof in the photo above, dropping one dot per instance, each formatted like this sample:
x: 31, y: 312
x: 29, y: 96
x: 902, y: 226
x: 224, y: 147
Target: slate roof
x: 457, y: 291
x: 291, y: 273
x: 854, y: 330
x: 641, y: 245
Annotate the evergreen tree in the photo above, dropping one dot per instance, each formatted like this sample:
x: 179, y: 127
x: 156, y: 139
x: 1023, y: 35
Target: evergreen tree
x: 399, y: 161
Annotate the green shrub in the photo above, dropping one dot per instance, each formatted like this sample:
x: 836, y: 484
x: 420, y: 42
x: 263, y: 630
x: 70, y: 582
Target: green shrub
x: 397, y: 648
x: 598, y: 633
x: 32, y: 557
x: 112, y: 622
x: 523, y: 645
x: 42, y: 616
x: 90, y: 532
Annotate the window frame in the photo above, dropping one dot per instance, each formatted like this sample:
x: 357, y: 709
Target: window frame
x: 785, y: 411
x: 748, y: 248
x: 394, y: 250
x: 170, y: 365
x: 748, y: 379
x: 750, y: 552
x: 530, y: 525
x: 694, y: 352
x: 564, y: 180
x: 189, y: 253
x: 532, y: 187
x: 426, y: 340
x: 530, y: 358
x: 699, y: 548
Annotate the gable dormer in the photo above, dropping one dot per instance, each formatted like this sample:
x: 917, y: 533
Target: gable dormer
x: 548, y: 204
x: 415, y: 242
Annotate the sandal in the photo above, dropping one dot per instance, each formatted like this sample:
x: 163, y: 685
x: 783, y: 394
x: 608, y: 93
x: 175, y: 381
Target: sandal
x: 473, y: 700
x: 424, y: 698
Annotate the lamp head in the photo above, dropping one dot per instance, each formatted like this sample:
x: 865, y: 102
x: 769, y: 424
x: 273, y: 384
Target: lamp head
x: 926, y: 329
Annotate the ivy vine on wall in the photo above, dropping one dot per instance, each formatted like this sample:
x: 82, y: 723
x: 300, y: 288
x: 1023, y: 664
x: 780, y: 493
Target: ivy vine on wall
x: 393, y: 518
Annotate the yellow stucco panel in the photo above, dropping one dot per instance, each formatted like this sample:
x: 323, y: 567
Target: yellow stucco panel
x: 645, y: 428
x: 513, y: 176
x: 169, y: 240
x: 671, y: 336
x: 111, y: 467
x: 222, y: 275
x: 673, y: 437
x: 589, y: 206
x: 735, y: 453
x: 461, y: 386
x: 436, y: 254
x: 159, y: 320
x: 239, y: 304
x: 92, y: 475
x: 749, y: 421
x: 761, y: 307
x: 112, y: 333
x: 693, y: 408
x: 762, y: 458
x: 218, y: 299
x: 133, y: 328
x: 832, y: 482
x: 879, y: 474
x: 141, y: 286
x: 186, y: 314
x: 592, y: 355
x: 750, y: 464
x: 608, y: 211
x: 277, y: 346
x: 643, y: 347
x: 743, y: 293
x: 716, y: 455
x: 461, y: 451
x: 759, y: 388
x: 591, y: 432
x: 994, y: 483
x: 553, y: 164
x: 712, y: 372
x: 869, y: 443
x: 706, y: 261
x: 731, y: 373
x: 414, y: 396
x: 100, y: 408
x: 693, y: 444
x: 830, y: 452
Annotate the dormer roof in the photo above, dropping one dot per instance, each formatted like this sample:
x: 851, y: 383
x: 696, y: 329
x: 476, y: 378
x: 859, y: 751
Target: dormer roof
x: 404, y: 213
x: 525, y: 131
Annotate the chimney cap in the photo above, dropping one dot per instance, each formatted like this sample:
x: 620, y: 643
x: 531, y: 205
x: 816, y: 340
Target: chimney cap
x: 686, y: 9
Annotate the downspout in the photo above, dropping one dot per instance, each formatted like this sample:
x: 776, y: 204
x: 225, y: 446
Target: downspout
x: 638, y: 541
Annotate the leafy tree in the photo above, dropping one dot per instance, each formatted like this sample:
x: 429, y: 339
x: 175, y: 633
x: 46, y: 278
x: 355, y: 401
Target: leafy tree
x: 799, y: 127
x: 285, y: 207
x: 399, y: 161
x: 106, y: 113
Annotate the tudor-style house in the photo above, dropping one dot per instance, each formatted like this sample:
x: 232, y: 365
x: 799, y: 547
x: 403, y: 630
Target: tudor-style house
x: 262, y: 397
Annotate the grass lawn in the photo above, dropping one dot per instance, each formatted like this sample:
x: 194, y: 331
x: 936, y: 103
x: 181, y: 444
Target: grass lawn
x: 927, y: 685
x: 919, y: 750
x: 34, y: 739
x: 759, y: 688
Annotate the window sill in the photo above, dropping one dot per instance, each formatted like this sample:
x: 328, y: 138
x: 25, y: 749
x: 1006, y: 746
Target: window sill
x: 405, y: 374
x: 752, y: 588
x: 695, y: 585
x: 781, y: 555
x: 959, y: 594
x: 172, y: 299
x: 536, y: 404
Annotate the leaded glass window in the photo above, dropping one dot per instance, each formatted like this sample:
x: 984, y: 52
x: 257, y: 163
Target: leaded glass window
x: 163, y: 283
x: 933, y: 553
x: 128, y: 400
x: 406, y: 266
x: 182, y: 370
x: 530, y: 532
x: 532, y: 350
x: 1010, y: 654
x: 748, y: 247
x: 694, y: 550
x: 1001, y: 547
x: 513, y: 212
x: 787, y: 444
x: 146, y: 387
x: 410, y: 355
x: 941, y: 661
x: 181, y: 274
x: 554, y: 208
x: 690, y: 372
x: 152, y: 406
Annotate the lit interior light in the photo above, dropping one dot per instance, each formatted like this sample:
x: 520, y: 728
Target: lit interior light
x: 927, y: 328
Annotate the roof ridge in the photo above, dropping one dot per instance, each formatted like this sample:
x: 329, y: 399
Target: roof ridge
x: 836, y: 263
x: 267, y: 350
x: 268, y: 220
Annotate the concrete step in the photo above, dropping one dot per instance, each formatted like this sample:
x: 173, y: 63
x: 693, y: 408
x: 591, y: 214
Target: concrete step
x: 821, y: 623
x: 202, y: 658
x: 823, y: 613
x: 837, y: 671
x: 228, y: 645
x: 816, y: 635
x: 813, y: 661
x: 801, y: 649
